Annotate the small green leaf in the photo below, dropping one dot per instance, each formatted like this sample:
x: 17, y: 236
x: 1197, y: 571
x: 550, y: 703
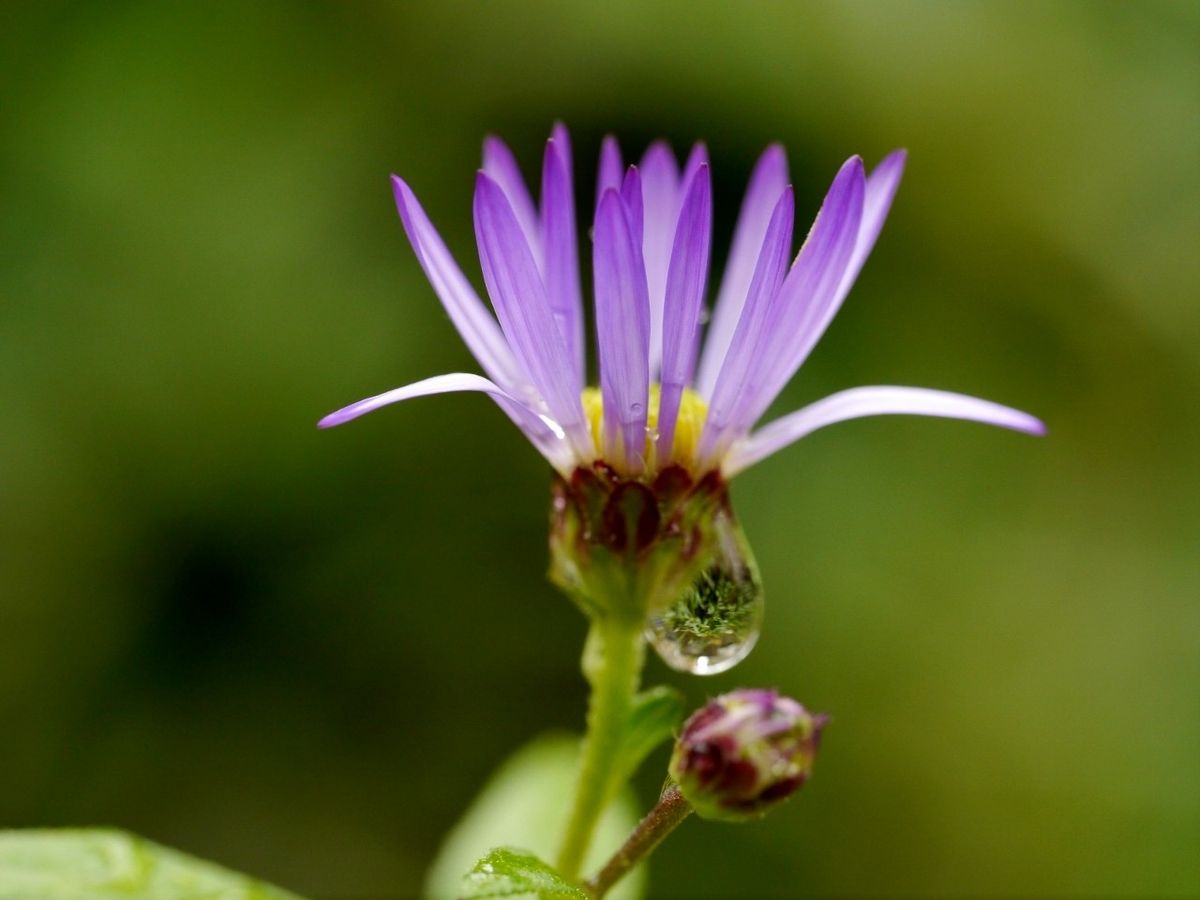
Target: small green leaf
x: 656, y: 715
x: 104, y: 864
x: 526, y: 803
x: 508, y: 872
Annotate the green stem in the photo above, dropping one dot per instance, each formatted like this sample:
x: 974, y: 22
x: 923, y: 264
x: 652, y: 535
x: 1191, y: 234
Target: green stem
x: 613, y: 661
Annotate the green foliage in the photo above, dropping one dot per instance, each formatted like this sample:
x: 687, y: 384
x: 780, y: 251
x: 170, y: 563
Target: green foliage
x: 204, y: 597
x: 656, y: 716
x: 716, y: 604
x: 525, y: 803
x: 509, y: 872
x: 99, y: 864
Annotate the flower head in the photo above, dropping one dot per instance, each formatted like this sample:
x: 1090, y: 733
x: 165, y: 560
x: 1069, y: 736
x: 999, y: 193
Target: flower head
x: 745, y: 752
x: 662, y: 399
x: 642, y: 526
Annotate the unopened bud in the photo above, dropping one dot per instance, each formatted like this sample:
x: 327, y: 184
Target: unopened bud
x: 745, y: 752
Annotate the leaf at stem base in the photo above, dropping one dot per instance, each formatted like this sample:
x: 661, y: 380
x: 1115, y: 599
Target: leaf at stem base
x: 510, y: 872
x: 525, y: 803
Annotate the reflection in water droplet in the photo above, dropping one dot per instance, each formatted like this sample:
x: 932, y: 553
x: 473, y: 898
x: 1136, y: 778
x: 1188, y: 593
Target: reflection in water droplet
x: 716, y: 623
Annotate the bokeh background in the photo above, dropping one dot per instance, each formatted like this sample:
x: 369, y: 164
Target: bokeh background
x: 301, y: 653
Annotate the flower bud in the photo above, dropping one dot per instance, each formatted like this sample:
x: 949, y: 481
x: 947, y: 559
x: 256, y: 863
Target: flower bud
x: 744, y: 752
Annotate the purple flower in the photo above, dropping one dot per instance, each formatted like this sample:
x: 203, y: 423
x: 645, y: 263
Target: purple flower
x: 662, y: 398
x: 745, y: 752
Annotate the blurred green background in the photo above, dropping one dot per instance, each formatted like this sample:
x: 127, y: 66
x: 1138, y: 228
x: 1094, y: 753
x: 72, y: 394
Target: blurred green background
x: 301, y: 653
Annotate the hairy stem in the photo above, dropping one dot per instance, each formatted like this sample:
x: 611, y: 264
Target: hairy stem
x: 671, y: 809
x: 613, y: 664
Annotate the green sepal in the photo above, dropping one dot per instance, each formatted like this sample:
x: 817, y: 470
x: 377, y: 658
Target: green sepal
x: 510, y: 872
x: 624, y: 547
x: 106, y: 864
x: 656, y: 716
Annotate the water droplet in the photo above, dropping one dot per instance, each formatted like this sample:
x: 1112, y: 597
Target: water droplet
x: 635, y: 407
x: 716, y: 623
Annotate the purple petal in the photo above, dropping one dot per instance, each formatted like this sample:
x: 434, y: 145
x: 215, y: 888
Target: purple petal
x: 686, y: 278
x: 874, y: 401
x: 561, y: 267
x: 697, y: 158
x: 501, y: 166
x: 438, y: 384
x: 544, y: 433
x: 766, y: 184
x: 524, y: 311
x: 660, y: 193
x: 562, y: 140
x: 750, y: 336
x: 631, y: 196
x: 479, y: 330
x: 610, y: 172
x: 623, y: 333
x: 881, y: 189
x: 806, y: 300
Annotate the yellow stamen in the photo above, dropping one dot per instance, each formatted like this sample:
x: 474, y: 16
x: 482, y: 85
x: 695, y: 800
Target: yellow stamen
x: 688, y: 425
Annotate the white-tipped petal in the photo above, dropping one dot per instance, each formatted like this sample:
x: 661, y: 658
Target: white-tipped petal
x: 543, y: 432
x: 860, y: 402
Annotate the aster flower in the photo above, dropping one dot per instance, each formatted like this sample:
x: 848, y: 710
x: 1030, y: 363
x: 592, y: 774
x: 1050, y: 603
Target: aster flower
x: 662, y: 401
x: 643, y: 537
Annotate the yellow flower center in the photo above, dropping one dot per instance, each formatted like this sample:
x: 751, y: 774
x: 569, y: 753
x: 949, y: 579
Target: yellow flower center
x: 688, y: 425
